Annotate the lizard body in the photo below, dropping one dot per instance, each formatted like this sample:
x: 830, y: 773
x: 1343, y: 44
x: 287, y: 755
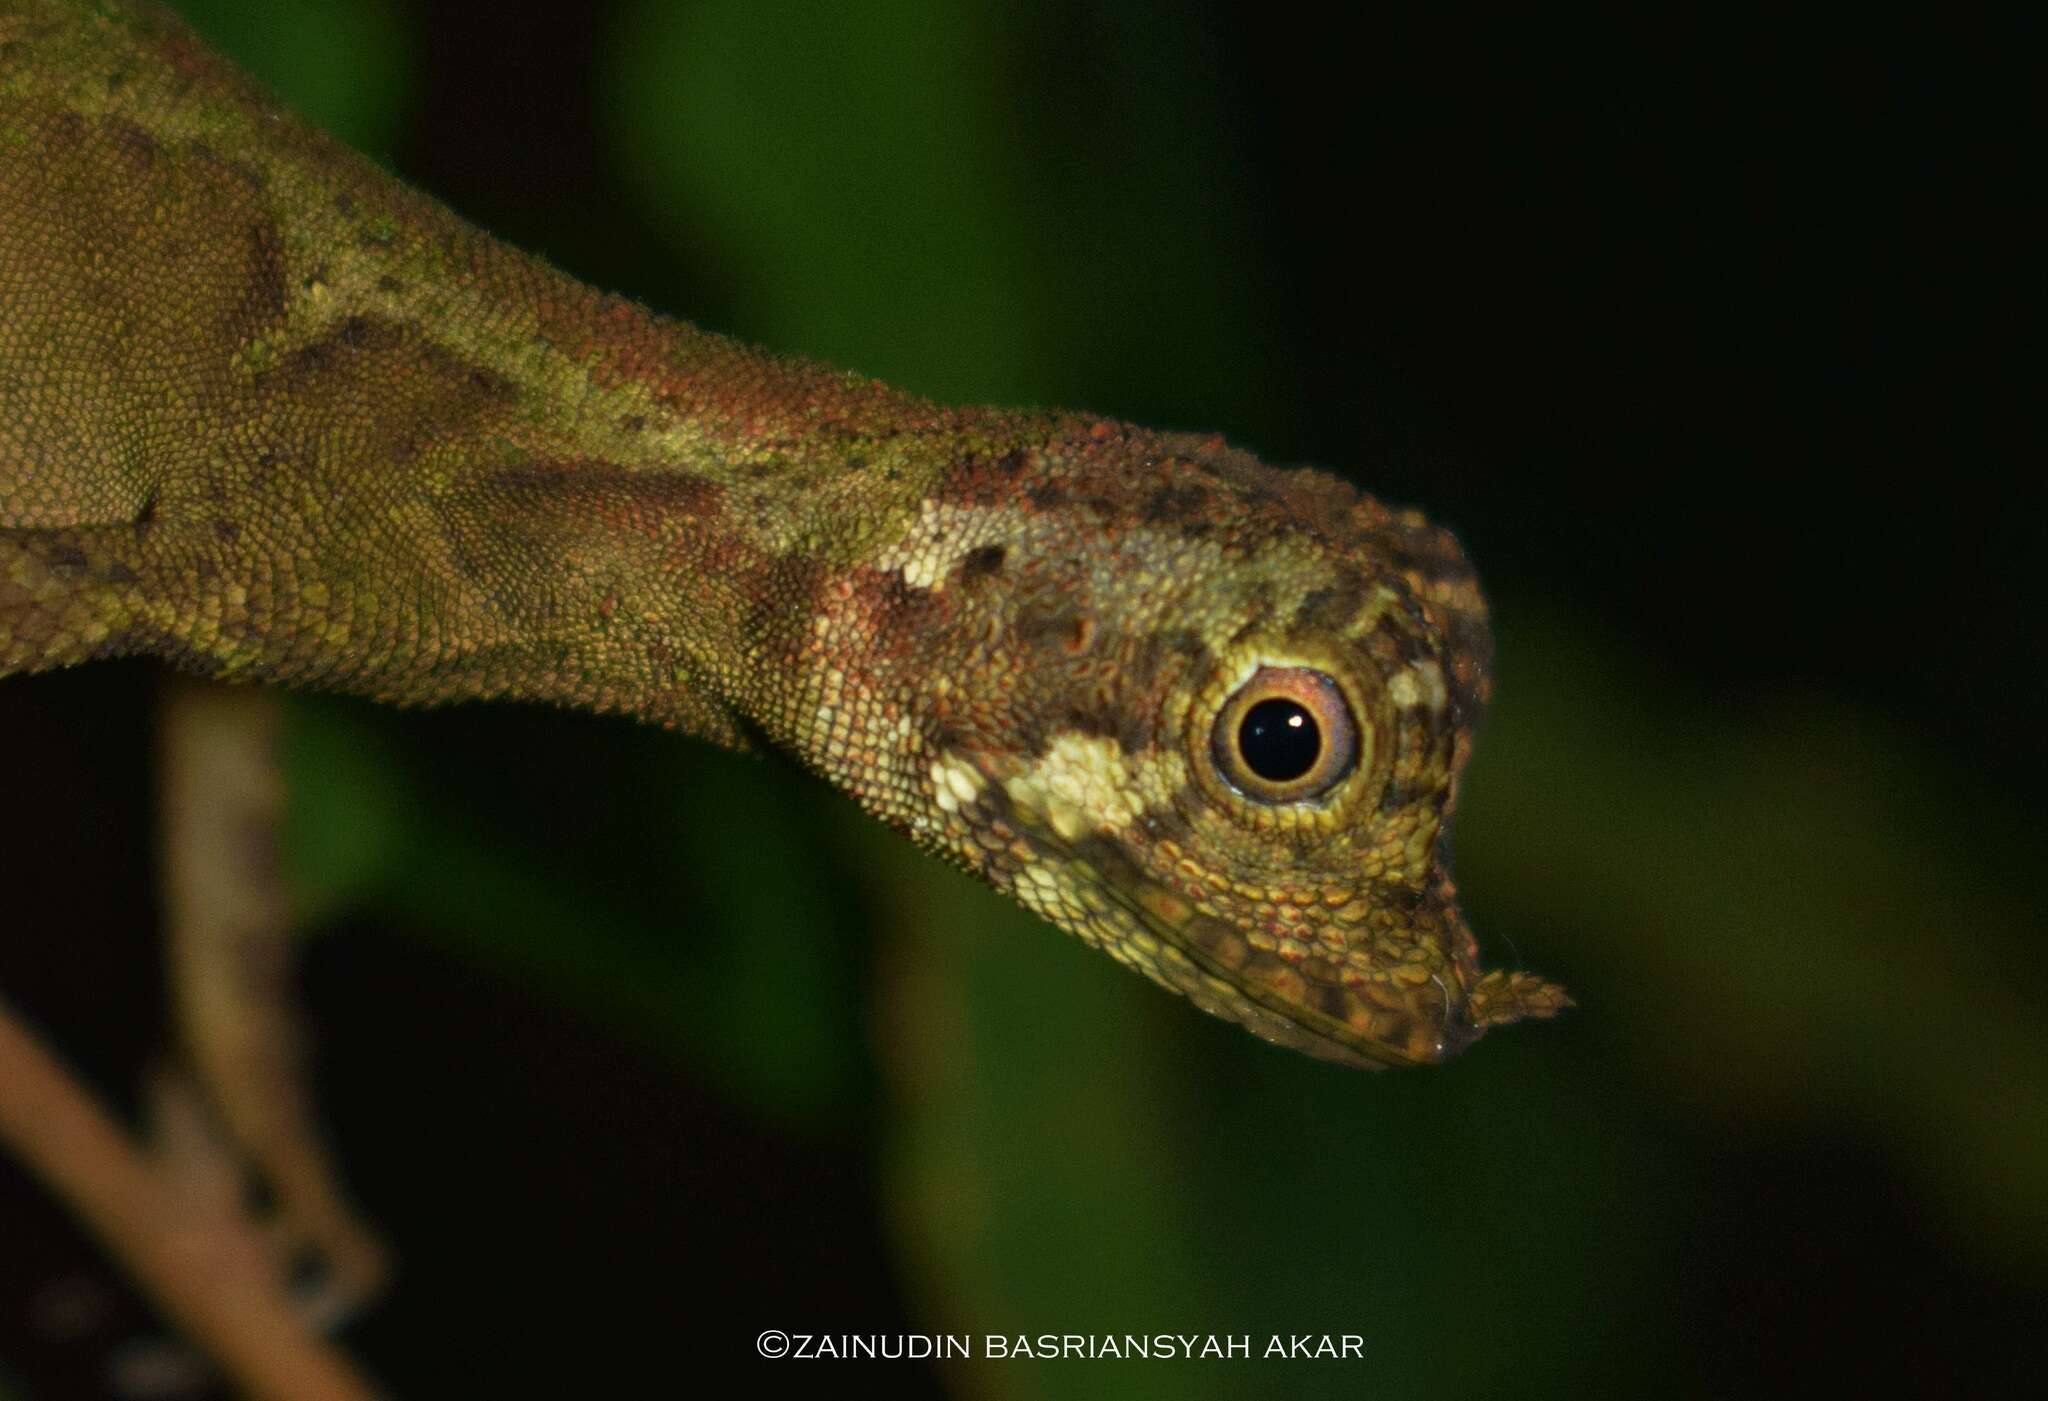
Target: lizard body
x: 271, y: 416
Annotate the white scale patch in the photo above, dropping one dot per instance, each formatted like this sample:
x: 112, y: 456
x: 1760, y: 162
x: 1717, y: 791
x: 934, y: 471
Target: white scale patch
x: 943, y: 536
x: 1419, y: 685
x: 955, y: 782
x: 1083, y: 783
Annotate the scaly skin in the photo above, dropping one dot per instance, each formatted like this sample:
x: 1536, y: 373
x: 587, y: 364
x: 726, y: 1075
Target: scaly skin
x: 272, y: 417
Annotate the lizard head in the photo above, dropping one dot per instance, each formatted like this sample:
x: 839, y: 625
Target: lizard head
x: 1205, y: 715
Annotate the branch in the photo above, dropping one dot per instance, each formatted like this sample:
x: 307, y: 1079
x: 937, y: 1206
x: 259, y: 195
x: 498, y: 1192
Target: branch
x: 210, y: 1274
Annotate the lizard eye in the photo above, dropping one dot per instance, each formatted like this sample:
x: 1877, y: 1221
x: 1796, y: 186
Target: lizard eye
x: 1285, y: 736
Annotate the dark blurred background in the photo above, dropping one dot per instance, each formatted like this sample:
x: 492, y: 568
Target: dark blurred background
x: 1701, y: 334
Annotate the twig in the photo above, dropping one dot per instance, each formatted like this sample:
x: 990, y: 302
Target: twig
x: 213, y: 1277
x: 229, y: 950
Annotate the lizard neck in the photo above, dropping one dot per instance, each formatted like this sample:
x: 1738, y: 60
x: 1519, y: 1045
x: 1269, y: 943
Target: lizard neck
x: 618, y: 510
x: 360, y: 444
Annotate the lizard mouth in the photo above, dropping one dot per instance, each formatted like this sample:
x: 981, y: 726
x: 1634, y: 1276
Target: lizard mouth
x: 1305, y: 1004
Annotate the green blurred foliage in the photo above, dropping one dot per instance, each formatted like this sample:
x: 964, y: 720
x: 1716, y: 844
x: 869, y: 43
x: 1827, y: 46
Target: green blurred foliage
x: 877, y: 196
x: 1783, y: 912
x: 342, y: 64
x: 721, y: 845
x: 1779, y: 914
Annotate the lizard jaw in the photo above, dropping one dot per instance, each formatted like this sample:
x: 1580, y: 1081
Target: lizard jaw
x: 1093, y: 889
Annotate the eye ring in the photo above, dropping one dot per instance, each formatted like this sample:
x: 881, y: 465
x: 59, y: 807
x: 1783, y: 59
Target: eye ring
x: 1287, y: 735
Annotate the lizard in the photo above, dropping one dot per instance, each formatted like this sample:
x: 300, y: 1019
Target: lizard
x: 273, y: 417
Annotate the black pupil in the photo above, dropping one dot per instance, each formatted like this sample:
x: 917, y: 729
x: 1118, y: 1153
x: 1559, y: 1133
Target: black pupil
x: 1279, y: 740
